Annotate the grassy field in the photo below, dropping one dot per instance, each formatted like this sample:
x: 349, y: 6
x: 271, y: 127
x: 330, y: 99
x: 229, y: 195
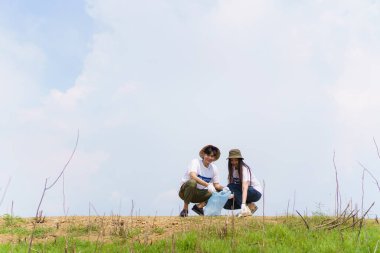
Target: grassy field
x: 192, y: 234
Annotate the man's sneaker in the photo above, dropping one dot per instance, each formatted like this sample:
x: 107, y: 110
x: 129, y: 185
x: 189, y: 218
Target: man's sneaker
x: 198, y: 210
x: 184, y: 213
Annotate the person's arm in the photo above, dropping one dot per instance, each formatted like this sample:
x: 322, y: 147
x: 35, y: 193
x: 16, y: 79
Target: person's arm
x: 245, y: 184
x: 215, y: 179
x: 244, y: 190
x: 194, y: 176
x: 218, y: 186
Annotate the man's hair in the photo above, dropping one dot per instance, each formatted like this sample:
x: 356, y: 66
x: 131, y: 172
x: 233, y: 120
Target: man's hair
x: 211, y: 150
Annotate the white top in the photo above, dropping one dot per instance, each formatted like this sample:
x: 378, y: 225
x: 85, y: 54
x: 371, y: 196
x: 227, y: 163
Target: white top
x: 252, y: 181
x: 209, y: 174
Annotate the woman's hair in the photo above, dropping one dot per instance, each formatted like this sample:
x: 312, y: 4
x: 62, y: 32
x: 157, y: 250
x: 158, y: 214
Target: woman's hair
x: 240, y: 170
x: 211, y: 150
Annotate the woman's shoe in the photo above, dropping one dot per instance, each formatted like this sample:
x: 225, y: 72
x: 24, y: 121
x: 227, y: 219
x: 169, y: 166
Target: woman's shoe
x: 252, y: 206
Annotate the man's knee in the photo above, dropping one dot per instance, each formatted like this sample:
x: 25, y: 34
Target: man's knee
x: 186, y: 187
x: 191, y: 183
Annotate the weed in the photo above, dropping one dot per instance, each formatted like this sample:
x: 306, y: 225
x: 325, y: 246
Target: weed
x: 133, y: 232
x: 284, y: 235
x: 41, y: 232
x: 10, y: 220
x: 79, y: 230
x: 158, y: 230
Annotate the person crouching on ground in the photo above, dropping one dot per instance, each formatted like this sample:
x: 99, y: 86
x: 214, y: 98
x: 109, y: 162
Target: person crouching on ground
x: 243, y: 184
x: 200, y: 180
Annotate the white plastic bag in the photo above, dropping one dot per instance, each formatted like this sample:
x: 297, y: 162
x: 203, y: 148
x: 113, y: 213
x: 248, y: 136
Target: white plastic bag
x: 216, y: 202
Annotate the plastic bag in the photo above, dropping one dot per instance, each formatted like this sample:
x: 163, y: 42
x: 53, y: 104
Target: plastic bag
x: 216, y: 202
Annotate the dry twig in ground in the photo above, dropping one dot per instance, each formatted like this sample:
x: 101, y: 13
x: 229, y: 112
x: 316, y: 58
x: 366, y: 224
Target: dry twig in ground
x: 46, y: 188
x: 338, y: 198
x: 307, y: 225
x: 5, y: 191
x: 373, y: 177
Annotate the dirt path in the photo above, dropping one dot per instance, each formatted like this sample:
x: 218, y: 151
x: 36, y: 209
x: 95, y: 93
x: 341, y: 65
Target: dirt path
x: 108, y: 228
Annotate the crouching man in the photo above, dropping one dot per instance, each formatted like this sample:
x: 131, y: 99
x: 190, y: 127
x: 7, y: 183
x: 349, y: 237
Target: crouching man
x: 200, y: 181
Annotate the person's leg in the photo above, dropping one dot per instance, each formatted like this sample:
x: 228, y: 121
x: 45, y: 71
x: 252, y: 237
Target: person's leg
x: 252, y: 196
x: 235, y: 202
x: 186, y: 193
x: 200, y: 197
x: 188, y: 190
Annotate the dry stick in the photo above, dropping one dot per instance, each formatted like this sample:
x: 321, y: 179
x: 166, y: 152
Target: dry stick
x: 63, y: 194
x: 353, y: 224
x: 5, y: 190
x: 173, y: 244
x: 362, y: 220
x: 263, y: 241
x: 133, y: 206
x: 47, y: 188
x: 337, y: 203
x: 335, y: 220
x: 377, y: 148
x: 363, y: 191
x: 65, y: 211
x: 99, y: 233
x: 373, y: 177
x: 352, y: 213
x: 93, y: 208
x: 287, y: 210
x: 294, y: 201
x: 263, y: 202
x: 377, y: 244
x: 307, y: 225
x: 131, y: 220
x: 12, y: 210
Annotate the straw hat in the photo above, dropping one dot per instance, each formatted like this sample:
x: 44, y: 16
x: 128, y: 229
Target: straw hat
x: 202, y: 152
x: 235, y: 153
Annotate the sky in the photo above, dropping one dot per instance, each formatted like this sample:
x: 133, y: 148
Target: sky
x: 149, y: 83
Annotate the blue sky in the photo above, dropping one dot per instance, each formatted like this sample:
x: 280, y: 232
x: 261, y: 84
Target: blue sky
x: 148, y: 83
x: 62, y: 29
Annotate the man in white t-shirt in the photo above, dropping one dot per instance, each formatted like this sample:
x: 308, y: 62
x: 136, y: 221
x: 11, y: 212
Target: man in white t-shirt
x: 200, y: 180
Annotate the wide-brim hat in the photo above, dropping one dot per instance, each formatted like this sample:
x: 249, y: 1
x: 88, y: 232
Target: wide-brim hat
x: 235, y: 153
x: 202, y: 152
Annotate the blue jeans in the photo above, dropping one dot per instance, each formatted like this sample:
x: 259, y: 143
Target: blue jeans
x: 235, y: 203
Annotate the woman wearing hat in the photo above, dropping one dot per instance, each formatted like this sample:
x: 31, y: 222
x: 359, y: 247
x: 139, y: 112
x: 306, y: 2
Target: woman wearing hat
x: 200, y: 180
x: 243, y: 184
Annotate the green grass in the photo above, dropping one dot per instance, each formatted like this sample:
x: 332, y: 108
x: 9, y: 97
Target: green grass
x: 10, y: 220
x: 15, y: 226
x: 249, y: 236
x: 158, y: 230
x: 79, y: 230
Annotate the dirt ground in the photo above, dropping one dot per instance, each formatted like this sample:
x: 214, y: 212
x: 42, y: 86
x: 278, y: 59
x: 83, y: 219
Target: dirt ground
x: 109, y: 228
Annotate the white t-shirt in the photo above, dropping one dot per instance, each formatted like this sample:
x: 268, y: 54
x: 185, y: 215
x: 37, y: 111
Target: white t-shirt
x: 246, y: 178
x: 209, y: 174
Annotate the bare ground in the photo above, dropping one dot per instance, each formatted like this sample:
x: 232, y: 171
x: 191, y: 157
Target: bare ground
x: 109, y: 228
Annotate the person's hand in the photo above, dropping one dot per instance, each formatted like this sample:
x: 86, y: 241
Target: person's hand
x: 244, y: 211
x: 211, y: 188
x: 226, y: 189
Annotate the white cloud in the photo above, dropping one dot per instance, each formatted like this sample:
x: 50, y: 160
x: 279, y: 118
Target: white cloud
x: 161, y: 80
x: 21, y: 66
x: 241, y: 14
x: 68, y: 99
